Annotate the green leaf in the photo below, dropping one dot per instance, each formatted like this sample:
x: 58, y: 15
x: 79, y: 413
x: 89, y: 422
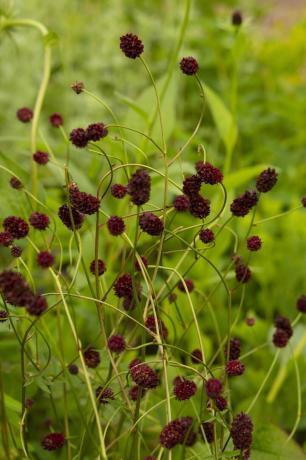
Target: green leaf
x: 223, y: 119
x: 243, y: 176
x: 12, y: 404
x: 270, y: 444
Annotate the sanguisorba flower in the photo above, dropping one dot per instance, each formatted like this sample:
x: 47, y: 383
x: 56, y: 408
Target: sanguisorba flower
x: 123, y: 286
x: 75, y: 220
x: 104, y: 395
x: 116, y: 343
x: 84, y: 202
x: 39, y: 220
x: 254, y: 243
x: 96, y: 131
x: 181, y: 203
x: 78, y: 137
x: 24, y: 114
x: 301, y: 304
x: 242, y: 205
x: 16, y: 226
x: 6, y: 239
x: 189, y: 65
x: 237, y: 18
x: 241, y: 431
x: 176, y: 432
x: 41, y: 158
x: 266, y: 180
x: 213, y: 388
x: 207, y: 236
x: 151, y: 224
x: 184, y: 389
x: 16, y: 183
x: 131, y: 45
x: 15, y: 289
x: 208, y: 173
x: 101, y: 267
x: 45, y: 259
x: 78, y: 87
x: 56, y: 120
x: 234, y: 368
x: 144, y: 376
x: 118, y: 191
x: 53, y: 441
x: 115, y: 225
x: 139, y: 187
x: 37, y: 305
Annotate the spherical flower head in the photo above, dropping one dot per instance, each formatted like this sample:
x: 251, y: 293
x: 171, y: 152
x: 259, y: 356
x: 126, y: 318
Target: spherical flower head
x: 208, y: 173
x: 199, y: 206
x: 301, y: 304
x: 84, y: 202
x: 208, y: 428
x: 283, y: 323
x: 136, y: 392
x: 45, y: 259
x: 73, y: 369
x: 56, y: 120
x: 196, y: 356
x: 24, y: 114
x: 303, y: 201
x: 280, y: 338
x: 37, y: 305
x: 41, y: 158
x: 78, y: 87
x: 243, y: 273
x: 188, y: 283
x: 151, y: 224
x: 134, y: 363
x: 16, y: 183
x: 207, y: 236
x: 172, y: 297
x: 39, y: 220
x: 91, y: 358
x: 115, y: 225
x: 144, y: 376
x: 234, y: 348
x: 15, y: 289
x: 96, y: 131
x: 192, y: 185
x: 189, y: 65
x: 139, y: 187
x: 254, y: 243
x: 53, y: 441
x: 16, y: 226
x: 3, y: 316
x: 118, y: 191
x: 242, y: 205
x: 5, y: 238
x: 266, y: 180
x: 74, y: 220
x: 250, y: 321
x: 150, y: 323
x: 144, y: 262
x: 116, y: 343
x: 181, y: 203
x: 98, y: 267
x: 123, y: 286
x: 213, y: 388
x: 221, y: 403
x: 241, y: 431
x: 131, y: 45
x: 184, y: 389
x: 177, y: 432
x: 234, y: 368
x: 104, y: 395
x: 78, y: 137
x: 237, y: 18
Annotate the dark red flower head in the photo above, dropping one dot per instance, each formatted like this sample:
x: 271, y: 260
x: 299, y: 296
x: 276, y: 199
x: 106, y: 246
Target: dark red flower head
x: 123, y: 286
x: 301, y: 304
x: 115, y: 225
x: 199, y: 206
x: 242, y: 205
x: 73, y: 369
x: 3, y: 316
x: 136, y: 392
x: 208, y: 428
x: 78, y: 137
x: 56, y: 120
x: 116, y: 343
x: 234, y: 349
x: 144, y: 376
x: 266, y: 180
x: 184, y: 389
x: 221, y: 403
x: 45, y: 259
x: 84, y: 202
x: 181, y: 203
x: 16, y: 226
x: 77, y: 217
x: 16, y: 183
x: 15, y: 289
x: 234, y: 367
x: 254, y: 243
x: 131, y: 46
x: 92, y: 358
x: 283, y: 323
x: 151, y: 325
x: 280, y: 338
x: 39, y: 220
x: 78, y: 87
x: 118, y: 191
x: 207, y: 235
x: 134, y: 362
x: 192, y: 185
x: 213, y: 388
x: 53, y: 441
x: 96, y: 131
x: 139, y: 187
x: 24, y: 114
x: 241, y: 431
x: 6, y: 239
x: 237, y: 18
x: 151, y: 224
x: 196, y: 356
x: 41, y: 158
x: 104, y: 395
x: 208, y: 173
x: 189, y: 65
x: 176, y: 432
x: 243, y: 273
x: 101, y: 267
x: 189, y: 285
x: 37, y: 305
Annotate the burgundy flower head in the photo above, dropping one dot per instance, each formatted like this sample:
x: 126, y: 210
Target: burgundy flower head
x: 237, y: 18
x: 73, y: 369
x: 184, y: 389
x: 301, y: 304
x: 208, y: 173
x: 208, y: 428
x: 234, y: 349
x: 242, y: 205
x: 151, y: 224
x: 116, y: 343
x: 131, y: 45
x: 78, y: 137
x: 39, y: 220
x: 96, y: 131
x: 24, y: 114
x: 134, y: 362
x: 213, y: 388
x: 144, y: 376
x: 207, y: 235
x: 3, y: 316
x: 84, y: 202
x: 254, y: 243
x: 101, y: 268
x: 196, y: 356
x: 136, y: 392
x: 266, y: 180
x: 15, y: 289
x: 53, y: 441
x: 176, y: 432
x: 139, y: 187
x: 221, y: 403
x: 41, y: 158
x: 192, y: 185
x: 115, y: 225
x: 16, y: 183
x: 283, y: 323
x: 104, y: 395
x: 91, y: 358
x: 189, y: 65
x: 243, y: 273
x: 37, y: 305
x: 123, y: 286
x: 280, y: 338
x: 6, y: 239
x: 118, y: 191
x: 16, y: 226
x: 199, y: 206
x: 241, y: 431
x: 189, y: 285
x: 181, y: 203
x: 151, y: 325
x: 234, y: 368
x: 56, y: 120
x: 45, y: 259
x: 77, y: 217
x: 78, y: 87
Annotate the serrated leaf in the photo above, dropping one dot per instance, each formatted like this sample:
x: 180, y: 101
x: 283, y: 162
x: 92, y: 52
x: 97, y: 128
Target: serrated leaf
x: 270, y: 444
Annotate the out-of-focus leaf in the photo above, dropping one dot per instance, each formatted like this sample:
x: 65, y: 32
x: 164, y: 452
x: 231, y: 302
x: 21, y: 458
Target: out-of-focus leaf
x: 270, y: 444
x: 243, y: 176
